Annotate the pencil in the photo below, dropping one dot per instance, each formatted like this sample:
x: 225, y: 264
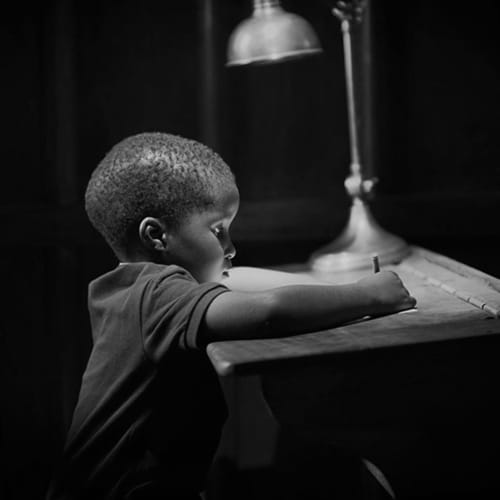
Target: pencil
x: 376, y: 264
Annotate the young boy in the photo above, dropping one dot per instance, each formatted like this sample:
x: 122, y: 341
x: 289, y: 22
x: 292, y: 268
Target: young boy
x: 150, y: 410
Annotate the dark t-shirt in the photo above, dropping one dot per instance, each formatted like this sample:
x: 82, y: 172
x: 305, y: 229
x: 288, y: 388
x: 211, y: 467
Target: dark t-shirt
x: 150, y: 410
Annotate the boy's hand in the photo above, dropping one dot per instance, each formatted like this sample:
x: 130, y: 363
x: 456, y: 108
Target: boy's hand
x: 387, y: 292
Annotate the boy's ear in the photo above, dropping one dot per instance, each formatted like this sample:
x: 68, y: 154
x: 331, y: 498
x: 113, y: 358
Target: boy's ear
x: 152, y: 233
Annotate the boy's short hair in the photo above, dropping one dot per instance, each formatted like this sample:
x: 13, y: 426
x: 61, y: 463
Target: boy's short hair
x: 156, y: 175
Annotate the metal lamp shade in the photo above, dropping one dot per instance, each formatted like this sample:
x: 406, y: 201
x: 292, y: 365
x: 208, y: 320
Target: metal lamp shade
x: 271, y: 35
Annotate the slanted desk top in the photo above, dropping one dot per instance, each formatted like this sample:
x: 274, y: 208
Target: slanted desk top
x: 453, y: 301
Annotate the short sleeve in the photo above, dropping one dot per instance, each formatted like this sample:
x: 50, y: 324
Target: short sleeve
x: 172, y: 308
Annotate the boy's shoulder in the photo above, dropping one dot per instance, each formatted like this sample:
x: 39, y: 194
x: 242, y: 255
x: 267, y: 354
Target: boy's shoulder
x: 128, y: 274
x: 138, y: 277
x: 163, y: 302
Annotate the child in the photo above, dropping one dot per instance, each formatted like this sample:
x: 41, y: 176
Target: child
x: 150, y: 410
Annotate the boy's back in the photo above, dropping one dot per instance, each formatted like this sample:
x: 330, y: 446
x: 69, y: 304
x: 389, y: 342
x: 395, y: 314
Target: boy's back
x: 150, y: 410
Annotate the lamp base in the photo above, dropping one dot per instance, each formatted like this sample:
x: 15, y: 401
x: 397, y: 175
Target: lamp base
x: 358, y: 242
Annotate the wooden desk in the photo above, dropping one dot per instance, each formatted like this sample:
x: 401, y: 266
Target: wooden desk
x: 415, y: 392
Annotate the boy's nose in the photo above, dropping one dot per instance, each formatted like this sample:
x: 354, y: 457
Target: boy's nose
x: 230, y: 251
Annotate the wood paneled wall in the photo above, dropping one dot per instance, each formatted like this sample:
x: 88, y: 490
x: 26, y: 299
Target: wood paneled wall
x: 79, y: 76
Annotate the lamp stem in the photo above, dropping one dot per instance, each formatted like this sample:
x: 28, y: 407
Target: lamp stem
x: 362, y: 236
x: 260, y: 6
x: 351, y: 100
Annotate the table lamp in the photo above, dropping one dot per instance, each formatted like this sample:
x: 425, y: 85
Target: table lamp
x: 272, y: 35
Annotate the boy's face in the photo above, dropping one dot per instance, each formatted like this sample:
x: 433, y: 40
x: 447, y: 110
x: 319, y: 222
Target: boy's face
x: 202, y: 244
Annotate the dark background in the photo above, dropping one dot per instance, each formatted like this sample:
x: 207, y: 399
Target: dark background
x: 79, y: 76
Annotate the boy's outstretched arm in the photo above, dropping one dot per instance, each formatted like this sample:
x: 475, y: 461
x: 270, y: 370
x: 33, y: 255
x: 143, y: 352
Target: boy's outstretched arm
x: 296, y: 309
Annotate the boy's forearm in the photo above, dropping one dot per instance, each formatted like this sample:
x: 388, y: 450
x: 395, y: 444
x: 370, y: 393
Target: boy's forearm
x: 300, y: 309
x: 295, y: 309
x: 288, y: 310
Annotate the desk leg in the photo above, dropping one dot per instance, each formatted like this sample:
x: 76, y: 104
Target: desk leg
x: 251, y: 432
x: 247, y: 449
